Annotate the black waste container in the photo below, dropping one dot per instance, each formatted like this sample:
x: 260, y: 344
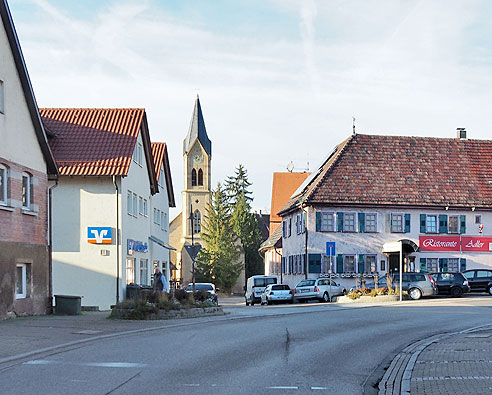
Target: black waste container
x: 145, y: 292
x: 67, y: 304
x: 132, y: 291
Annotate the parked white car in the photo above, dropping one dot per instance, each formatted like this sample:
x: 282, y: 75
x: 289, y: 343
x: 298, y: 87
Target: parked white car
x: 322, y: 289
x: 277, y: 293
x: 255, y: 287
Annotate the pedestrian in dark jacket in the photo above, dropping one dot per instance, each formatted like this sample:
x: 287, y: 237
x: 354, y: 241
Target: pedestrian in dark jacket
x: 158, y: 280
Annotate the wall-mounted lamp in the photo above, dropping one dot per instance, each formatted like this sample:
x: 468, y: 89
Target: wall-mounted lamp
x: 446, y: 208
x: 473, y: 208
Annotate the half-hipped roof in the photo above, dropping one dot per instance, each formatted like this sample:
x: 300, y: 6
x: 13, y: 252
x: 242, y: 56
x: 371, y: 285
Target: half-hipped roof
x: 369, y: 170
x: 161, y: 160
x: 20, y: 65
x: 97, y: 141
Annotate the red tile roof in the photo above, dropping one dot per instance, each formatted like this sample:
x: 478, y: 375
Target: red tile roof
x: 284, y: 185
x: 403, y: 171
x: 93, y: 141
x: 159, y: 153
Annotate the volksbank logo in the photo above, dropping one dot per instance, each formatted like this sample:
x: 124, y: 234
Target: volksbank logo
x: 99, y: 235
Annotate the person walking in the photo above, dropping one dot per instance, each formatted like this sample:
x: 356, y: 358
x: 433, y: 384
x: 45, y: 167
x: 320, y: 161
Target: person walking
x: 159, y: 280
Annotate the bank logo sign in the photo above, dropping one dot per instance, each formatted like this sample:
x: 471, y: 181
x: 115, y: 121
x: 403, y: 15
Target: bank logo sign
x: 99, y: 235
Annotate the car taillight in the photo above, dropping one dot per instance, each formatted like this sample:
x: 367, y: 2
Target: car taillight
x: 466, y: 282
x: 316, y: 289
x: 431, y: 280
x: 295, y: 290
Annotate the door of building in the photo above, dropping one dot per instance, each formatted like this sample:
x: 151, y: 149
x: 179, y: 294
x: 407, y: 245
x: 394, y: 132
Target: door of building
x: 394, y: 263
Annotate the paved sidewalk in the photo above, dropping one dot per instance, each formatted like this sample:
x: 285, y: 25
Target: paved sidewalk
x: 456, y: 363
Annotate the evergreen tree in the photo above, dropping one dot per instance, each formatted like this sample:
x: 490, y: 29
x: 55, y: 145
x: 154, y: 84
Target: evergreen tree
x: 217, y: 261
x: 238, y: 185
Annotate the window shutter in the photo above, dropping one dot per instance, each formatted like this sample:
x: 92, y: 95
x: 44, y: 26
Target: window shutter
x: 289, y: 227
x: 318, y: 222
x: 443, y: 223
x: 463, y: 223
x: 315, y: 263
x: 303, y: 220
x: 284, y: 233
x: 362, y: 222
x: 361, y: 263
x: 423, y: 264
x: 462, y: 264
x: 339, y: 263
x: 423, y: 217
x: 407, y: 223
x: 443, y: 264
x: 340, y: 222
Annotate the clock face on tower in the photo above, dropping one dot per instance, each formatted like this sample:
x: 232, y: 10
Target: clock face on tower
x: 197, y: 158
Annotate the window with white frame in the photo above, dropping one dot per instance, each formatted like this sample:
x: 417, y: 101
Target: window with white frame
x: 397, y: 222
x: 478, y: 219
x: 453, y: 224
x: 431, y: 224
x: 432, y: 264
x: 134, y: 203
x: 371, y: 265
x: 453, y: 264
x: 2, y: 98
x: 327, y: 222
x: 144, y: 271
x: 130, y: 270
x: 161, y: 177
x: 349, y: 222
x: 163, y: 220
x: 158, y: 217
x: 140, y: 205
x: 371, y: 222
x: 137, y: 154
x: 129, y: 200
x: 349, y: 264
x: 26, y: 191
x: 4, y: 177
x: 155, y: 215
x: 21, y: 281
x: 145, y: 208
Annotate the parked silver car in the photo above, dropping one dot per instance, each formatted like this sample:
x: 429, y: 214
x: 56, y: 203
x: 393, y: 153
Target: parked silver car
x: 416, y: 284
x: 277, y: 293
x: 322, y: 289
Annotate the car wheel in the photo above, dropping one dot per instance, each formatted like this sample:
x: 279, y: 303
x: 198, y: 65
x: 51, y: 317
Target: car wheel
x: 247, y: 303
x: 489, y: 290
x: 415, y: 293
x: 252, y: 302
x: 344, y: 292
x: 326, y: 297
x: 456, y: 292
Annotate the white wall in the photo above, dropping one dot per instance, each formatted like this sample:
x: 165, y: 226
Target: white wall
x: 19, y: 141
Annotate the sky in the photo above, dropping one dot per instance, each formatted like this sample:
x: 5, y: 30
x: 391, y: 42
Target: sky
x: 278, y: 80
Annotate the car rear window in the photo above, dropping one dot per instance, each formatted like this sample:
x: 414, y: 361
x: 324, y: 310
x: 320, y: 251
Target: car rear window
x: 263, y: 282
x: 280, y: 287
x: 306, y: 283
x: 208, y: 287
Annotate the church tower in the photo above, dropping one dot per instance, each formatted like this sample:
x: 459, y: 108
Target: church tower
x: 197, y: 156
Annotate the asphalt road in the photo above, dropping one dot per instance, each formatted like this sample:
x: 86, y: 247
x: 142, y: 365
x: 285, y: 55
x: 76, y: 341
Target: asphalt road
x: 308, y: 348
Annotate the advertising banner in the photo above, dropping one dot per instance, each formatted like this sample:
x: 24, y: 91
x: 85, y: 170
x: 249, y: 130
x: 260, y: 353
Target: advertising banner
x: 99, y: 235
x: 477, y: 243
x: 439, y: 243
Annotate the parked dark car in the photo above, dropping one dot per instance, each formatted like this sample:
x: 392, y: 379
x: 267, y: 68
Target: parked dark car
x: 451, y: 283
x: 480, y: 280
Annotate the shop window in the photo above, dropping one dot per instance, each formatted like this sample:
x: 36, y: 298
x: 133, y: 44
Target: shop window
x: 155, y: 265
x: 432, y: 264
x: 144, y: 271
x: 130, y: 270
x: 349, y: 264
x: 371, y: 264
x: 454, y: 264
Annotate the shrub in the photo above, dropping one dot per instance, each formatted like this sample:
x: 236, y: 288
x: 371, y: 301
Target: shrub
x: 181, y: 295
x: 374, y: 292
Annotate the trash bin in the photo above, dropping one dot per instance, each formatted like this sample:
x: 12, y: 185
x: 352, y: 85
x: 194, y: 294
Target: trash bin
x: 67, y: 304
x: 145, y: 292
x: 132, y: 291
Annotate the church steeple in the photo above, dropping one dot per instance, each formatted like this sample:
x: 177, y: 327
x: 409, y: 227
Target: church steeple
x: 197, y: 131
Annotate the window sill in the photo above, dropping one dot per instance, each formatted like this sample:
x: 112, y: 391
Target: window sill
x: 29, y: 212
x: 6, y: 208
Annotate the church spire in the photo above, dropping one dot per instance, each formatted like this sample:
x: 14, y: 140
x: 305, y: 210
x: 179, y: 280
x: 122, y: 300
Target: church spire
x: 197, y: 131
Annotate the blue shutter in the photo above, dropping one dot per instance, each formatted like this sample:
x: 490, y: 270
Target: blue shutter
x: 339, y: 263
x: 443, y: 223
x: 315, y: 263
x: 362, y: 222
x: 443, y: 264
x: 462, y: 264
x: 361, y: 263
x: 318, y: 222
x: 423, y: 217
x: 423, y: 265
x: 289, y: 228
x: 463, y: 223
x: 407, y: 223
x: 340, y: 222
x: 284, y: 227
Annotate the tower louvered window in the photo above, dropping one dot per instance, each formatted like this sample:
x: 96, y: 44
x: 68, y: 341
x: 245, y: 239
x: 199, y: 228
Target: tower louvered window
x: 200, y: 177
x: 193, y: 178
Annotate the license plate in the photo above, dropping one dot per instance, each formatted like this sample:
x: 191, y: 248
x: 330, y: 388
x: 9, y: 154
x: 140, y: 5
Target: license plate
x: 304, y: 290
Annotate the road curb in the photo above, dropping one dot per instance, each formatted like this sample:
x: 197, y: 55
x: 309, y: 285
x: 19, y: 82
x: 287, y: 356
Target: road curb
x: 396, y: 380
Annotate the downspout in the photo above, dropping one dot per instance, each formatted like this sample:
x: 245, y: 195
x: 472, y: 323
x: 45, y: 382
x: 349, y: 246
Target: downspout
x: 306, y: 244
x: 50, y: 245
x: 281, y: 265
x: 117, y: 241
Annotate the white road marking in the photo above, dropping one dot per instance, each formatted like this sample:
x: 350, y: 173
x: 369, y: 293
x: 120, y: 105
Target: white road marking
x: 91, y: 364
x: 319, y: 388
x: 192, y: 385
x: 280, y: 387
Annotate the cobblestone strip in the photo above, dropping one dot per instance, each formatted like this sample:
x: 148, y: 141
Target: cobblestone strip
x: 398, y: 376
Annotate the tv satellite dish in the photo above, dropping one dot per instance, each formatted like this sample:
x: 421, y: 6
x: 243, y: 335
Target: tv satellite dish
x: 290, y: 166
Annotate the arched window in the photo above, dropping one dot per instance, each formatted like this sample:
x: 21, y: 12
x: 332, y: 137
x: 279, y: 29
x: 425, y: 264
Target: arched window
x: 200, y: 177
x: 197, y: 222
x: 193, y: 178
x: 4, y: 180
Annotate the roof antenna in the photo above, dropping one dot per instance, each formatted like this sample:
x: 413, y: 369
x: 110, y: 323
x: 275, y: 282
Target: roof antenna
x: 353, y: 126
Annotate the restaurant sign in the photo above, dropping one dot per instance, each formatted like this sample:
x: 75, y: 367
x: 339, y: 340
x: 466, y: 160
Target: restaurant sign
x: 455, y: 243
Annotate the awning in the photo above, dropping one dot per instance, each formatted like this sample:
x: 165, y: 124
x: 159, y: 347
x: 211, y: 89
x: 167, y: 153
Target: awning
x: 394, y: 246
x: 161, y: 243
